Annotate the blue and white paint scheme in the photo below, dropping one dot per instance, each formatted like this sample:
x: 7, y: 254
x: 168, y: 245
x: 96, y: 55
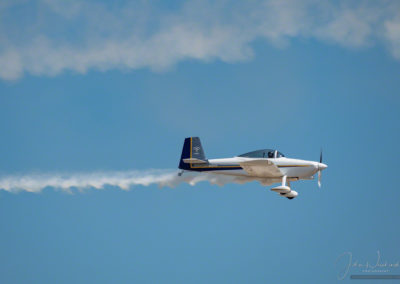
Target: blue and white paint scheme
x: 267, y: 166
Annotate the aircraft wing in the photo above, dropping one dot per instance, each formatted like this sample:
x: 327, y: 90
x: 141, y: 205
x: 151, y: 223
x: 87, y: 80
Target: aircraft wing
x: 261, y: 168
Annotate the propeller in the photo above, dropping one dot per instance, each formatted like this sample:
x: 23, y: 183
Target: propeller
x: 319, y: 178
x: 320, y: 167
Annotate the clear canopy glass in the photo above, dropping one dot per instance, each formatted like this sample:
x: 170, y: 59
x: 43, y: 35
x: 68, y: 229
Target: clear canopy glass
x: 264, y: 153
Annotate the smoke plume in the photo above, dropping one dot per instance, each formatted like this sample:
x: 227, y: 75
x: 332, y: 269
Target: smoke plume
x: 124, y: 180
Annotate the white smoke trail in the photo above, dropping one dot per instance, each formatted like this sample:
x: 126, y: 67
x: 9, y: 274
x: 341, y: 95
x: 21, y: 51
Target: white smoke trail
x: 99, y: 180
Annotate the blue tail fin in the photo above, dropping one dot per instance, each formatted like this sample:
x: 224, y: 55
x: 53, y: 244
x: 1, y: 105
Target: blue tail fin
x: 192, y: 149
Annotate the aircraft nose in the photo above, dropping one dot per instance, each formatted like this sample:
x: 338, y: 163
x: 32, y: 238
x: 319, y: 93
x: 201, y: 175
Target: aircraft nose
x: 322, y: 166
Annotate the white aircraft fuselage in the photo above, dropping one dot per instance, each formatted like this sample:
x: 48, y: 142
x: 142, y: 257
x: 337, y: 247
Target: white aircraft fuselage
x: 292, y: 168
x: 266, y: 166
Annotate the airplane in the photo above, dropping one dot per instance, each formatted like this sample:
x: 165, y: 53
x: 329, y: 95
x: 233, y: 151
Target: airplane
x: 267, y: 166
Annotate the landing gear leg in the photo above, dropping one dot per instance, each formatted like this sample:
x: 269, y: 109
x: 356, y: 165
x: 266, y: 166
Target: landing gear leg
x: 180, y: 173
x: 284, y: 180
x: 283, y: 189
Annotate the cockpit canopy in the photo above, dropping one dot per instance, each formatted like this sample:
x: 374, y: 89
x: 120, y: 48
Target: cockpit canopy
x: 265, y: 153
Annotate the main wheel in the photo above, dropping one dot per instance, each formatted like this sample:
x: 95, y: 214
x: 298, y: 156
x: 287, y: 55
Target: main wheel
x: 289, y: 197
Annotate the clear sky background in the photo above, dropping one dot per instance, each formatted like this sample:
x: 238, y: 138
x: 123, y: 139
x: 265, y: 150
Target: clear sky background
x: 90, y: 86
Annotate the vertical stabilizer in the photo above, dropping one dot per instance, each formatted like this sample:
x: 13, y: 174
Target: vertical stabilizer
x: 192, y: 149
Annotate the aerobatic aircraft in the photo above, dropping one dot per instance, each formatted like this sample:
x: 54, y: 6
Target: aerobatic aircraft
x: 267, y: 166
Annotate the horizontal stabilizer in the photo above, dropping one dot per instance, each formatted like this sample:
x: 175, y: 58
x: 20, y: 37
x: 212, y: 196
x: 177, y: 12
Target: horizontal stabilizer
x: 194, y: 161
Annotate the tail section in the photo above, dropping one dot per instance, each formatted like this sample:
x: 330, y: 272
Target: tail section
x: 192, y: 153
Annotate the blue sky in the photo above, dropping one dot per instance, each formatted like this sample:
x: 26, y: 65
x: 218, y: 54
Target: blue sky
x: 89, y: 86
